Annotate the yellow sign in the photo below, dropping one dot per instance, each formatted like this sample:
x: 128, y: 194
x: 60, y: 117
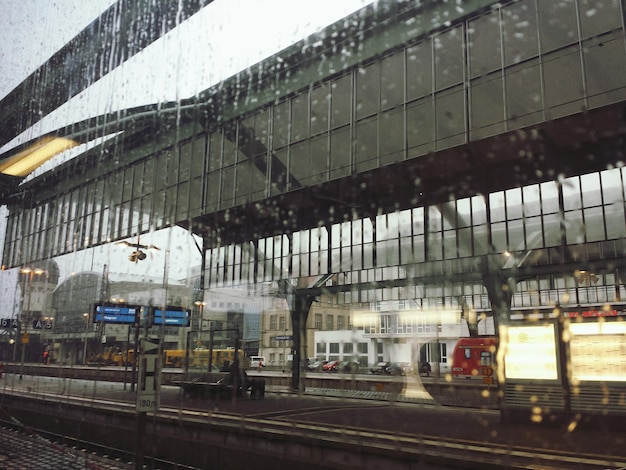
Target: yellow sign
x: 25, y: 338
x: 488, y: 380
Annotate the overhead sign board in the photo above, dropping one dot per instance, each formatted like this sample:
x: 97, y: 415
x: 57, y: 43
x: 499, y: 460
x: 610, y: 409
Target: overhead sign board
x: 171, y: 316
x: 117, y: 313
x: 8, y: 323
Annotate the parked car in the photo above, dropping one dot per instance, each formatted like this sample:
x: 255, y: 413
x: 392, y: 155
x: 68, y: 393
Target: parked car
x: 331, y: 366
x: 392, y: 368
x: 380, y: 368
x: 399, y: 368
x: 316, y: 365
x: 349, y: 367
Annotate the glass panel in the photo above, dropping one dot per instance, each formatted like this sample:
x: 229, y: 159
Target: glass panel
x: 366, y: 144
x: 497, y: 206
x: 519, y: 31
x: 450, y: 112
x: 591, y: 189
x: 300, y: 161
x: 320, y: 102
x: 319, y: 159
x: 341, y: 110
x: 419, y: 70
x: 227, y: 193
x: 563, y: 81
x: 259, y: 176
x: 184, y: 162
x: 516, y: 235
x: 498, y: 235
x: 487, y: 112
x: 300, y: 117
x: 558, y: 25
x: 532, y: 200
x: 215, y: 151
x: 246, y: 142
x: 514, y: 203
x: 367, y: 90
x: 340, y: 154
x: 261, y: 132
x: 594, y: 224
x: 449, y: 58
x: 571, y: 194
x: 605, y: 70
x: 420, y: 124
x: 485, y: 48
x: 392, y: 80
x: 598, y: 16
x: 574, y: 229
x: 279, y: 165
x: 392, y: 127
x: 127, y: 185
x: 524, y: 99
x: 182, y: 201
x: 228, y: 145
x: 449, y: 244
x: 280, y: 130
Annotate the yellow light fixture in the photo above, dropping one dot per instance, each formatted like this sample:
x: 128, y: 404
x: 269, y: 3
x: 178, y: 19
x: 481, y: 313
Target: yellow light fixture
x: 26, y: 161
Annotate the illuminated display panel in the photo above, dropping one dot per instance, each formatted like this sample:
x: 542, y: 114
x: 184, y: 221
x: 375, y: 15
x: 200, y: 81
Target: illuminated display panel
x: 530, y: 352
x: 598, y: 351
x: 121, y: 314
x: 172, y: 317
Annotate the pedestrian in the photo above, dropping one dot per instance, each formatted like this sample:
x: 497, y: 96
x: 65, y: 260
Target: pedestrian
x: 46, y: 356
x: 261, y: 365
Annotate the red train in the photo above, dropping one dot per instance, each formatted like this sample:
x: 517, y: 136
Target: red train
x: 474, y: 357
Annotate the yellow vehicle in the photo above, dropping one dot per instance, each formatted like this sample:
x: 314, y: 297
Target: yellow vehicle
x: 199, y: 357
x: 112, y: 357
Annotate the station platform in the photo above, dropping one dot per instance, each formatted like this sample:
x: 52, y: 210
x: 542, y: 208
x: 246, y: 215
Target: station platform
x: 415, y: 413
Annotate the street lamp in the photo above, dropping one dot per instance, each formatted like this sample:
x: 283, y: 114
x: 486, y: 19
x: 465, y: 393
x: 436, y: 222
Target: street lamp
x: 86, y: 316
x: 23, y: 319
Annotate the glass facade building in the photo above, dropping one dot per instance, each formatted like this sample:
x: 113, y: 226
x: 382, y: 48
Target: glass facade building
x: 523, y: 88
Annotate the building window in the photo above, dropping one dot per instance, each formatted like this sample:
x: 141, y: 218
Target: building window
x: 273, y: 342
x: 282, y: 322
x: 362, y: 348
x: 320, y: 349
x: 273, y: 322
x: 348, y: 348
x: 334, y: 348
x: 330, y: 322
x: 385, y: 323
x: 340, y: 322
x: 318, y: 321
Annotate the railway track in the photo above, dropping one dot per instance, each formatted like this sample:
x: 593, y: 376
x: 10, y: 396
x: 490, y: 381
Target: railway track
x: 406, y: 432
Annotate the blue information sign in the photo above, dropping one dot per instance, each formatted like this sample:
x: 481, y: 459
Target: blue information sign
x: 172, y: 317
x: 125, y: 314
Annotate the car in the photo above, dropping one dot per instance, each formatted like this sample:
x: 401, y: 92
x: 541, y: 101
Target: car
x: 399, y: 368
x: 331, y: 366
x: 316, y: 365
x: 257, y: 362
x: 392, y: 368
x: 380, y: 368
x: 349, y: 367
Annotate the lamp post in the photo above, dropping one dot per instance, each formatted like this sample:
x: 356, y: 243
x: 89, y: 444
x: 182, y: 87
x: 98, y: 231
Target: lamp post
x: 86, y: 316
x: 23, y: 336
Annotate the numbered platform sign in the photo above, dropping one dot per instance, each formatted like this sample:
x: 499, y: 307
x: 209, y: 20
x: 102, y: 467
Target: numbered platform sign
x: 149, y: 385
